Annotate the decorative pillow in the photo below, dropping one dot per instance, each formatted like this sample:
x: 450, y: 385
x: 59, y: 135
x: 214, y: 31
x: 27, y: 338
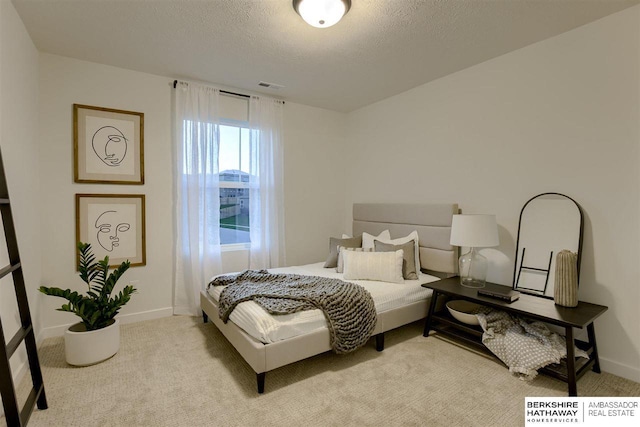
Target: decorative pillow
x: 412, y: 236
x: 381, y: 266
x: 341, y: 250
x: 332, y: 259
x: 367, y: 239
x: 409, y: 260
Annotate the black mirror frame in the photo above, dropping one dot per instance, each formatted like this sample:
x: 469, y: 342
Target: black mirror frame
x: 515, y: 265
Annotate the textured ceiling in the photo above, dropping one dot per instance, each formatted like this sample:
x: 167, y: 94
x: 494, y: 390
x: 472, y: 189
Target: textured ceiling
x: 379, y: 49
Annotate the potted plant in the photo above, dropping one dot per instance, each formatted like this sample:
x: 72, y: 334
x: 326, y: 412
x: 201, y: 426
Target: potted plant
x: 97, y: 337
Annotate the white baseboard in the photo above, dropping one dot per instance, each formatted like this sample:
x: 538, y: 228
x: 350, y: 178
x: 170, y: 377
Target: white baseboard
x: 146, y: 315
x: 58, y: 331
x: 616, y: 368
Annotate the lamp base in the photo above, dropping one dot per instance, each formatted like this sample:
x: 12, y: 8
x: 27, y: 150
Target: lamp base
x: 469, y: 282
x: 473, y: 269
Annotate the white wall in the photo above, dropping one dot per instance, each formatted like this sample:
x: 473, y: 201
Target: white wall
x: 63, y: 82
x: 310, y: 198
x: 315, y: 169
x: 560, y: 115
x: 19, y: 142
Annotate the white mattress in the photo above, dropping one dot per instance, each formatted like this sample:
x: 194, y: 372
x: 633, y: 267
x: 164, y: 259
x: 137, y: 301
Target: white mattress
x: 255, y: 321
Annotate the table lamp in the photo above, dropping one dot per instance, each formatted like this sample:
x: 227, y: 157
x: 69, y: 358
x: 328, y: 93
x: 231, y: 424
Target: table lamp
x: 473, y: 231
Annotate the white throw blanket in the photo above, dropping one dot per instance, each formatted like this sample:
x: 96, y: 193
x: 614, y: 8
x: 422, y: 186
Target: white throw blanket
x: 523, y: 346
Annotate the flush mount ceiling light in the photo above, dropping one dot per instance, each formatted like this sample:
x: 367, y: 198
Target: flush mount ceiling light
x: 322, y: 13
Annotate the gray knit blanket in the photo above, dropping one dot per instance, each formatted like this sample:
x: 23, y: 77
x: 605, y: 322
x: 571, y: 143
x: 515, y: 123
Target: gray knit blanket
x: 348, y: 308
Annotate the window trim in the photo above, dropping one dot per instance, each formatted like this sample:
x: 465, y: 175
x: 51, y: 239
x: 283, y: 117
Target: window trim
x: 233, y: 184
x: 234, y: 247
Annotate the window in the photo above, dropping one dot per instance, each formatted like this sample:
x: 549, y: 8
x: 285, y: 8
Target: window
x: 233, y: 164
x: 230, y: 162
x: 234, y: 184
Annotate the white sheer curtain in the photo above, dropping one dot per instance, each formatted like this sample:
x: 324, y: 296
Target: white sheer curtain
x: 266, y: 199
x: 197, y: 188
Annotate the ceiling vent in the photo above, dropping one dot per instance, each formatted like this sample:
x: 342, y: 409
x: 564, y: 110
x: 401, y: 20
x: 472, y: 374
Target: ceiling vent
x: 270, y: 85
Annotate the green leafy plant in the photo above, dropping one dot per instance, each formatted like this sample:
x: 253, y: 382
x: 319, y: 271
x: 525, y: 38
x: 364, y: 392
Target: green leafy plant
x: 97, y: 307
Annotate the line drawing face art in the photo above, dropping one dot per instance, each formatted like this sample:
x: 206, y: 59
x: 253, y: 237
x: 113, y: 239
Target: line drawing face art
x: 110, y: 145
x: 108, y: 230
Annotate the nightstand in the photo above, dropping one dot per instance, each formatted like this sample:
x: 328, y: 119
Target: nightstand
x: 527, y: 306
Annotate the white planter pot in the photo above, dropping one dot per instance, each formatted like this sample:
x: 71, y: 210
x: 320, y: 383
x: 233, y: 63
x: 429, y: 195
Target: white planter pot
x: 84, y: 348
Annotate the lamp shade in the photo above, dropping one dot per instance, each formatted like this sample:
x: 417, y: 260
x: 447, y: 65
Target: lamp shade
x: 322, y: 13
x: 474, y: 231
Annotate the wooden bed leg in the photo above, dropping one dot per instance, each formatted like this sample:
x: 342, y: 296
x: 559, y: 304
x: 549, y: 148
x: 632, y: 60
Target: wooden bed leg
x: 260, y: 378
x: 205, y: 317
x: 380, y: 341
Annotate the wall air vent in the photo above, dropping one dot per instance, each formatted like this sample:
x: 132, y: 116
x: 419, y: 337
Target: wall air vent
x: 270, y: 85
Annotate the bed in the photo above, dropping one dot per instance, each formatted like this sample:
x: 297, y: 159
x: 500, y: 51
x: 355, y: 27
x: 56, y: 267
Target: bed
x: 276, y: 349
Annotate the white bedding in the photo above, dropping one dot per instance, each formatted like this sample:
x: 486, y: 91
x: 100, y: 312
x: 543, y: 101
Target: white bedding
x: 255, y: 321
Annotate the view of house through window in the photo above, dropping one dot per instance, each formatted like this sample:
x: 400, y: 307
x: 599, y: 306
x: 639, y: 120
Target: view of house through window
x: 234, y: 184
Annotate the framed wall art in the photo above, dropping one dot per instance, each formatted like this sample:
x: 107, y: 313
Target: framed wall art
x: 114, y: 224
x: 108, y: 145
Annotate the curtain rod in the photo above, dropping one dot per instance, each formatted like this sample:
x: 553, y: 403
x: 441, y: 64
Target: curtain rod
x: 175, y: 83
x: 242, y: 95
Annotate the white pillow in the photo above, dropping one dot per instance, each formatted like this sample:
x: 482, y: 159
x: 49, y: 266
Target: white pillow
x: 380, y: 266
x: 341, y: 249
x: 412, y: 236
x: 367, y: 239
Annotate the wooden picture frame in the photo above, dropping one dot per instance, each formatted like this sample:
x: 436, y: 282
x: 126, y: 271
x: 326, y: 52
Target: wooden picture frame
x: 114, y: 224
x: 108, y: 145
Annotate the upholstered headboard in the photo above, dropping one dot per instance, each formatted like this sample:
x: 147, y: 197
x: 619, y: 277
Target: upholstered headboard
x: 431, y: 221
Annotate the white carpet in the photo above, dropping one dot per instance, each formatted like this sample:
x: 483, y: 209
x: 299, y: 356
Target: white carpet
x: 177, y: 371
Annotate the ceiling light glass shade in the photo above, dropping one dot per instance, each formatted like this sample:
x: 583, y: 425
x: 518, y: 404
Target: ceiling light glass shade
x: 322, y: 13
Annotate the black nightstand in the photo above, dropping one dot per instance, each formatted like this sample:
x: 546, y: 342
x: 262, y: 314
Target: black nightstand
x: 528, y: 306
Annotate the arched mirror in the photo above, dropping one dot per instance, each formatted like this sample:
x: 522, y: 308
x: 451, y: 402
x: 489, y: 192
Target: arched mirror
x: 549, y: 223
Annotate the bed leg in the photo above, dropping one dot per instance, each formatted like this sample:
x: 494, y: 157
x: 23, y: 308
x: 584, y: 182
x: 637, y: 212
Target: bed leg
x: 380, y: 341
x: 205, y: 317
x: 260, y: 378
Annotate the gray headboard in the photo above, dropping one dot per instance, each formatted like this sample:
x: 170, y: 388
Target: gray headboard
x: 431, y: 221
